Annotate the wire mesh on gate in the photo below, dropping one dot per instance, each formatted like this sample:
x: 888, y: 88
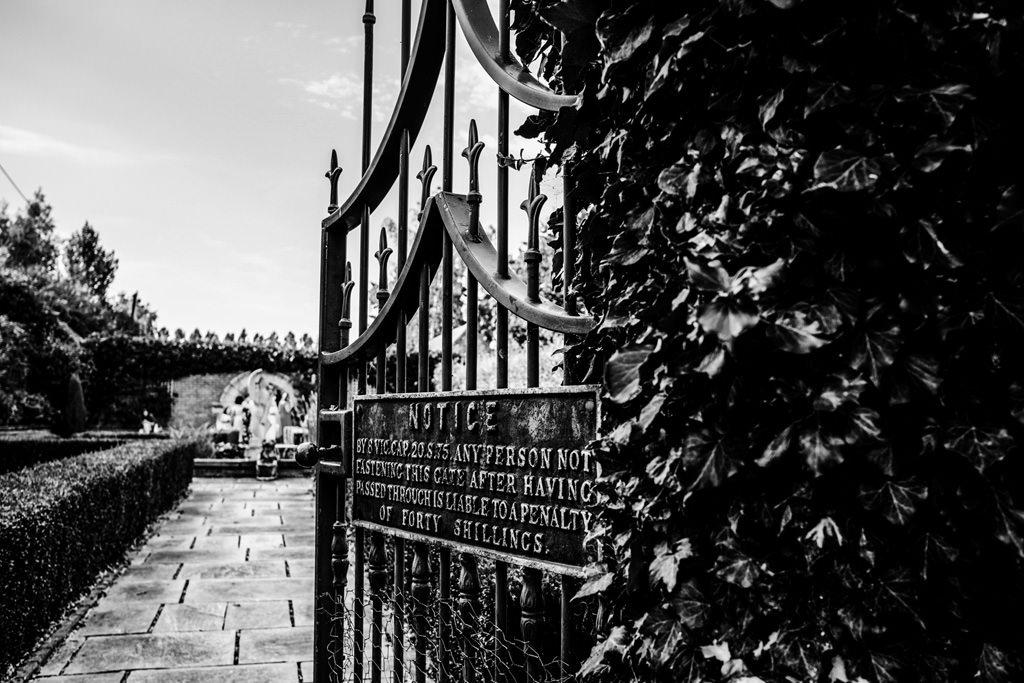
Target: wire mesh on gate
x: 461, y: 640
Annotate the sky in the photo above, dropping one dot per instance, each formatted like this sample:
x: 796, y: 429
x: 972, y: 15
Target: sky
x: 194, y: 135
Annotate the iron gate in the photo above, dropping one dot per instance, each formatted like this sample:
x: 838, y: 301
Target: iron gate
x: 381, y: 518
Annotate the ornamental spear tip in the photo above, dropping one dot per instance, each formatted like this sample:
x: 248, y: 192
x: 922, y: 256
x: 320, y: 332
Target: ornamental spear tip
x: 425, y: 175
x: 472, y: 155
x: 382, y: 254
x: 346, y: 293
x: 332, y: 175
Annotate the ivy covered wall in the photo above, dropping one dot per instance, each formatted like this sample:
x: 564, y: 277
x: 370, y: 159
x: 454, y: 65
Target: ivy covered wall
x: 803, y: 225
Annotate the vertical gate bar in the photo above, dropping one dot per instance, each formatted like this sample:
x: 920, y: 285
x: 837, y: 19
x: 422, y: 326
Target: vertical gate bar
x: 398, y: 613
x: 377, y: 561
x: 472, y: 154
x: 406, y: 23
x: 444, y: 613
x: 532, y: 206
x: 501, y: 651
x: 566, y: 587
x: 364, y: 226
x: 358, y: 639
x: 447, y: 285
x: 403, y: 244
x: 565, y: 636
x: 421, y: 600
x: 425, y: 175
x: 382, y: 255
x: 446, y: 185
x: 329, y: 389
x: 339, y: 575
x: 469, y: 597
x: 501, y: 340
x: 531, y: 623
x: 568, y: 267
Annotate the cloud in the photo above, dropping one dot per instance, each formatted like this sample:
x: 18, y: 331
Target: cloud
x: 295, y: 29
x: 344, y: 93
x: 17, y: 141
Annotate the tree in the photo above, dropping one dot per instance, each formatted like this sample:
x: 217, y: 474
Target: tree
x: 89, y: 263
x: 29, y: 238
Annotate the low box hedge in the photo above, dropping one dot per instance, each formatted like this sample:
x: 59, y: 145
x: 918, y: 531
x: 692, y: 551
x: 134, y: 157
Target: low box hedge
x: 63, y: 522
x: 18, y: 453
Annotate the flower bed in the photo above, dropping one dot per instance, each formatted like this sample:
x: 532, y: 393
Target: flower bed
x: 62, y: 522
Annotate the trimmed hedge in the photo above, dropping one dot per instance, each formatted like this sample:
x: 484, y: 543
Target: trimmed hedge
x: 61, y: 523
x: 18, y: 453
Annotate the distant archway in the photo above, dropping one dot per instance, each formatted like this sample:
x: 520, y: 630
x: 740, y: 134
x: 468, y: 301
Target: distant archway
x: 239, y: 386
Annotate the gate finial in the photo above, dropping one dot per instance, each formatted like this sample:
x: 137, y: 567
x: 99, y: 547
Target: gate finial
x: 425, y: 175
x: 532, y: 207
x: 332, y: 175
x: 382, y: 254
x: 472, y: 155
x: 345, y: 323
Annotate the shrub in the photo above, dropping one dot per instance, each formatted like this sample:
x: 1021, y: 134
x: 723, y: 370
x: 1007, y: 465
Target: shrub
x: 802, y: 224
x: 18, y: 453
x: 61, y: 523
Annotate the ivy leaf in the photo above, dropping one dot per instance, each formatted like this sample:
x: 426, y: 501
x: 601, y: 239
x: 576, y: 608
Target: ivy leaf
x: 651, y: 410
x: 707, y: 277
x: 568, y: 15
x: 673, y: 179
x: 933, y: 153
x: 770, y: 107
x: 825, y: 529
x: 712, y: 363
x: 817, y: 450
x: 795, y: 334
x: 622, y: 374
x: 715, y: 470
x: 690, y: 605
x: 596, y: 583
x: 846, y: 171
x: 727, y: 318
x: 885, y: 667
x: 875, y: 351
x: 896, y: 502
x: 739, y: 571
x: 778, y: 446
x: 825, y: 96
x: 611, y: 647
x: 995, y: 665
x: 665, y: 565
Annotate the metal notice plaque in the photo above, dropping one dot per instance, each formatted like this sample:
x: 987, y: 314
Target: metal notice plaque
x: 503, y: 473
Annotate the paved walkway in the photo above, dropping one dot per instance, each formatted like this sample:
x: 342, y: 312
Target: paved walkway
x: 222, y: 592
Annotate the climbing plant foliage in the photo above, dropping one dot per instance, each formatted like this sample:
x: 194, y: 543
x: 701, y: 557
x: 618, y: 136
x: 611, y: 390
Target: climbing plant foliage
x: 802, y: 231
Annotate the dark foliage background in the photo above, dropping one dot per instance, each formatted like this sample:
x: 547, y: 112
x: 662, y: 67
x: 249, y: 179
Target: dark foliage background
x: 803, y: 234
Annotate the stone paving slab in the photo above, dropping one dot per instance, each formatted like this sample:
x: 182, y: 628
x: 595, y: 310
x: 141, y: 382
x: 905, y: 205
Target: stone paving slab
x: 238, y: 590
x: 262, y: 569
x: 222, y: 592
x: 146, y: 591
x: 276, y: 644
x: 248, y: 673
x: 191, y: 617
x: 154, y: 651
x: 119, y: 618
x: 261, y: 614
x: 290, y: 553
